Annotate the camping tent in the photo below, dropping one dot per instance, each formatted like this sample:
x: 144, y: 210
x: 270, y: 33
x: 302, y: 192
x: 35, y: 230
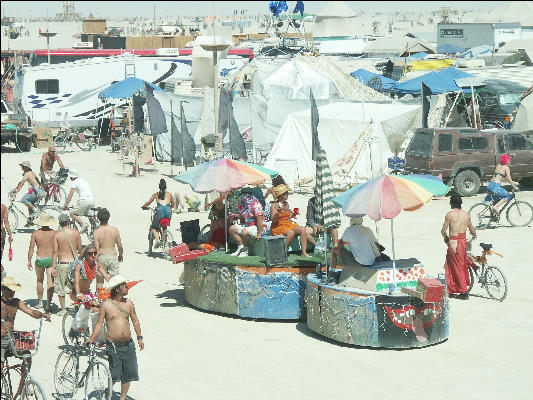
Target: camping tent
x: 524, y: 116
x: 341, y: 125
x: 439, y: 82
x: 336, y: 19
x: 399, y: 46
x: 510, y: 11
x: 364, y: 76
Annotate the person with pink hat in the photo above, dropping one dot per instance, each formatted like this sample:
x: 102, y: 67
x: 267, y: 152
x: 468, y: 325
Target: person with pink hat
x: 495, y: 188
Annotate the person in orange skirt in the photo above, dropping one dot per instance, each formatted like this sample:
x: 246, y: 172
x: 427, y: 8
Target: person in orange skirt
x: 281, y: 215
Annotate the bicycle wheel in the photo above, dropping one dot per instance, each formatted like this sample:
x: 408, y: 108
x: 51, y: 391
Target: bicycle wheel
x: 13, y: 219
x: 65, y: 376
x: 150, y: 242
x: 60, y: 143
x: 5, y: 388
x: 83, y: 142
x: 168, y: 244
x: 473, y: 277
x: 57, y: 195
x: 79, y: 338
x: 33, y: 390
x: 495, y: 283
x: 480, y: 215
x: 520, y: 213
x: 98, y: 385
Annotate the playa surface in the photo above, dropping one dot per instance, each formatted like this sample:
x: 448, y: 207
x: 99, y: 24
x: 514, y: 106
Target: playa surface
x: 192, y: 354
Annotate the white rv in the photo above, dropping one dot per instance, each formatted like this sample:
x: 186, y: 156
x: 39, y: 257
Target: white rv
x: 48, y: 92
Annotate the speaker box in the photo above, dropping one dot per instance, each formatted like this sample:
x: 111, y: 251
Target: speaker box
x: 273, y: 248
x: 190, y: 231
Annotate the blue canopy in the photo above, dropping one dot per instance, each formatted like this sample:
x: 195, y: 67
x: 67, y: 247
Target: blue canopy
x: 438, y: 82
x: 125, y: 89
x: 449, y: 49
x: 364, y: 76
x: 475, y: 51
x: 420, y: 54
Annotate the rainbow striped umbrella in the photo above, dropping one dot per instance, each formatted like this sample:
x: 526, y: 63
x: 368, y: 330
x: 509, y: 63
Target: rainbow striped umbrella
x: 387, y: 196
x: 222, y: 175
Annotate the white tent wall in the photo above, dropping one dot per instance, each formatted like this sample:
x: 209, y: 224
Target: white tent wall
x: 341, y: 124
x: 524, y: 116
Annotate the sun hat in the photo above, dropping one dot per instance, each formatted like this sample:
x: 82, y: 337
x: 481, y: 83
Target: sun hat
x: 45, y: 219
x: 25, y: 164
x: 74, y: 173
x: 114, y: 282
x: 280, y: 189
x: 10, y: 283
x: 63, y: 218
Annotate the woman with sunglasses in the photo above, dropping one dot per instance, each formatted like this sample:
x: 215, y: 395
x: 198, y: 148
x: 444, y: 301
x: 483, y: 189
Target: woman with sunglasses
x: 84, y: 274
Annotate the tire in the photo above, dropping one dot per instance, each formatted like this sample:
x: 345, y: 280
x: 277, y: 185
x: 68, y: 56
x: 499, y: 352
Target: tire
x: 33, y: 390
x: 150, y: 242
x: 65, y: 377
x: 57, y: 196
x: 83, y: 143
x: 495, y: 283
x: 5, y: 388
x: 467, y: 183
x: 60, y: 144
x: 24, y: 143
x: 519, y: 213
x: 98, y: 385
x: 480, y: 215
x: 66, y: 324
x: 13, y: 219
x: 473, y: 276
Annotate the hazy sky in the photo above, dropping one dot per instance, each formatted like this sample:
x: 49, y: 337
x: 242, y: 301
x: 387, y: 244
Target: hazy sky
x: 173, y: 8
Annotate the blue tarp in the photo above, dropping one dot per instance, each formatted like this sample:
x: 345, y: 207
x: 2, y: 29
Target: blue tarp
x: 420, y: 54
x: 475, y: 51
x: 362, y: 75
x: 125, y: 89
x: 438, y: 82
x: 449, y: 49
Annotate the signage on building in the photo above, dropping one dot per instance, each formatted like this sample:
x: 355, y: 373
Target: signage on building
x: 451, y: 33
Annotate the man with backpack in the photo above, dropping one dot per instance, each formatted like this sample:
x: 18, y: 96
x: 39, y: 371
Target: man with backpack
x: 67, y: 247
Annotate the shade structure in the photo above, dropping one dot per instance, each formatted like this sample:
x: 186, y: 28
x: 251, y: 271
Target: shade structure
x: 365, y: 76
x: 387, y: 196
x: 125, y: 89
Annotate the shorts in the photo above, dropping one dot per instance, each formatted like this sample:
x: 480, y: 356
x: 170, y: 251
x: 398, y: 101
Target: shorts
x: 498, y: 190
x: 5, y: 348
x: 44, y: 262
x: 82, y: 206
x: 61, y: 280
x: 110, y: 263
x: 122, y: 361
x: 34, y: 197
x: 251, y: 230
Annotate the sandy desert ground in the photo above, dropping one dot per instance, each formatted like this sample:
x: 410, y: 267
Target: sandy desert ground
x: 191, y: 354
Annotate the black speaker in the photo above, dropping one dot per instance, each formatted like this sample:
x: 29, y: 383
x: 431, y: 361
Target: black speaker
x: 190, y: 231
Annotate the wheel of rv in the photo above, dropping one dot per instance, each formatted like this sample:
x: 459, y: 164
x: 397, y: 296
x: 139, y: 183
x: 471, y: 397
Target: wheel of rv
x: 467, y: 183
x: 24, y: 143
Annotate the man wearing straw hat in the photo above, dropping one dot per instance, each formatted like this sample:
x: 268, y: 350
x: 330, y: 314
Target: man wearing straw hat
x: 120, y: 348
x: 44, y: 239
x: 10, y: 306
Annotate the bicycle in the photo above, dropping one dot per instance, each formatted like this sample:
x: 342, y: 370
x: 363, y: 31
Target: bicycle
x: 166, y: 239
x: 17, y: 210
x: 53, y: 187
x: 23, y: 345
x: 519, y: 213
x: 83, y: 140
x: 489, y: 276
x: 68, y: 379
x: 93, y: 222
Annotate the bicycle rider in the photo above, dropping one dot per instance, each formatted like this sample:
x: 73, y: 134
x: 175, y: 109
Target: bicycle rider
x: 34, y: 195
x: 502, y: 171
x: 85, y: 201
x: 164, y: 206
x: 9, y: 308
x: 47, y: 164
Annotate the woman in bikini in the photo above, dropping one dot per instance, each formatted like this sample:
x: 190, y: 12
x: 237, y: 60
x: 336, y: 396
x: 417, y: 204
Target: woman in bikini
x: 495, y: 185
x: 84, y: 274
x: 281, y: 215
x: 164, y: 205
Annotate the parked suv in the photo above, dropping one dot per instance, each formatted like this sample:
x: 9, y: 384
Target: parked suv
x: 466, y: 156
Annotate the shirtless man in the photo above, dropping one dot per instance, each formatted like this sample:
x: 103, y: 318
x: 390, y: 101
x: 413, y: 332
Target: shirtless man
x: 106, y: 237
x: 47, y: 164
x: 67, y: 246
x: 10, y: 306
x: 29, y: 199
x: 5, y: 228
x: 44, y: 239
x: 120, y: 347
x: 456, y: 267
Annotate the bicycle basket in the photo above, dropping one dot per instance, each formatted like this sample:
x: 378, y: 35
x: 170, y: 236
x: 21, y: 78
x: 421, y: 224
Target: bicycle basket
x: 24, y: 340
